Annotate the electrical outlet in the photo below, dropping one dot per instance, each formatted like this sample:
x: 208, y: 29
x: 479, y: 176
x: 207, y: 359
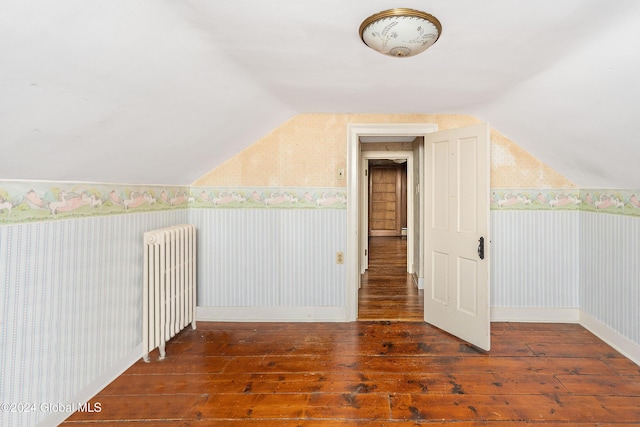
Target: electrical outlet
x: 339, y: 257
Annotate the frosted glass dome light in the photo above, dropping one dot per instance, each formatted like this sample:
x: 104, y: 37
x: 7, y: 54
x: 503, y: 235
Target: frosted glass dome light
x: 400, y: 32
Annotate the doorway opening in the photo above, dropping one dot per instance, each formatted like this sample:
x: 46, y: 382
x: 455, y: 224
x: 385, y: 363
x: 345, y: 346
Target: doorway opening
x: 362, y: 140
x: 388, y: 290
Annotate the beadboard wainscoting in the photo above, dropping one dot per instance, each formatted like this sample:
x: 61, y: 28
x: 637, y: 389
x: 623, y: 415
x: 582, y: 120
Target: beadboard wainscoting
x: 569, y: 266
x: 71, y: 300
x: 270, y: 264
x: 610, y: 278
x: 534, y: 265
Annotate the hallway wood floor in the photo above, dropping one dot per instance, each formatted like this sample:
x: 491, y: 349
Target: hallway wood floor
x: 387, y: 291
x: 374, y: 374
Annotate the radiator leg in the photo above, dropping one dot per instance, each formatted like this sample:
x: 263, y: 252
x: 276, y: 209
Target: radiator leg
x: 145, y: 357
x: 193, y: 325
x: 163, y: 352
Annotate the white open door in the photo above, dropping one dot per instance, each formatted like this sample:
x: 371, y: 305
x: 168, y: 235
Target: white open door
x: 456, y: 232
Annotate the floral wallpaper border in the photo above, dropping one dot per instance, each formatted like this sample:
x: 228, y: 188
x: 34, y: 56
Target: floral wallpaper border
x: 33, y: 201
x: 620, y: 202
x: 267, y: 198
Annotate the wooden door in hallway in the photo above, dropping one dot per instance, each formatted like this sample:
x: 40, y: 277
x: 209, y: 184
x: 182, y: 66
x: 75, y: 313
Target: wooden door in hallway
x: 387, y: 203
x: 387, y: 291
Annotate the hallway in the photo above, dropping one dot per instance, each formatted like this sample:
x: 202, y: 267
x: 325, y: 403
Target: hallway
x: 387, y: 291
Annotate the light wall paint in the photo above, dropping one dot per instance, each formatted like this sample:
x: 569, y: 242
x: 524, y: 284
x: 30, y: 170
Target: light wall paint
x: 158, y: 92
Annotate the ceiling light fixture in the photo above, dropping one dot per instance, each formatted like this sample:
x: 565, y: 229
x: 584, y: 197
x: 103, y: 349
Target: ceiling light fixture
x: 400, y: 31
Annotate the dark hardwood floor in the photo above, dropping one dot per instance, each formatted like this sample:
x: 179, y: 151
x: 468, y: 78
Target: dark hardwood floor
x: 374, y: 373
x: 387, y: 291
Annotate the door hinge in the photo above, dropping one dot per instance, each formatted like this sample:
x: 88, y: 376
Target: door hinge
x: 365, y: 252
x: 366, y: 172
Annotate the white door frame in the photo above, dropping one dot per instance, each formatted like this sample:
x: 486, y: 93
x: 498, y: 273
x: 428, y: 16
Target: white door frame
x: 364, y: 200
x: 354, y: 208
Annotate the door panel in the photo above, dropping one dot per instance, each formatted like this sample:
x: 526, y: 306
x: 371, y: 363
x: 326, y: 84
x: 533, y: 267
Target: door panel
x: 440, y: 176
x: 440, y: 291
x: 467, y: 286
x: 467, y: 198
x: 457, y: 215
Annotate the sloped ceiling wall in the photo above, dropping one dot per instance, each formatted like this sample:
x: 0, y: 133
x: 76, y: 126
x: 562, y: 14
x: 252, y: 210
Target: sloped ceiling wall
x: 162, y: 91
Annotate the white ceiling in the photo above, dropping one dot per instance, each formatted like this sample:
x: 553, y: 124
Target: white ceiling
x: 161, y: 91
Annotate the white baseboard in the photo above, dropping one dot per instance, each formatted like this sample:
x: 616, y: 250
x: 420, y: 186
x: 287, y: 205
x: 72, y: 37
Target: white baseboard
x: 418, y: 281
x: 271, y: 314
x: 95, y: 386
x: 624, y: 345
x: 533, y: 314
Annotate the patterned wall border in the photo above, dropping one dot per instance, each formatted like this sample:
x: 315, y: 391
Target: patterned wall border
x: 535, y: 199
x: 620, y: 202
x: 267, y: 198
x: 32, y: 201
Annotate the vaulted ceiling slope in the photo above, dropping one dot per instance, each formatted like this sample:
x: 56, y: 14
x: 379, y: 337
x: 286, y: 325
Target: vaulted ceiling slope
x: 161, y: 91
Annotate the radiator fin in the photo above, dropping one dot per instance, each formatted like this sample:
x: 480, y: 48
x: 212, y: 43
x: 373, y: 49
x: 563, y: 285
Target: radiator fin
x: 169, y: 294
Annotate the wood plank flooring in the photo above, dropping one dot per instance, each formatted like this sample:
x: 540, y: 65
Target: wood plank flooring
x: 374, y: 374
x: 387, y: 291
